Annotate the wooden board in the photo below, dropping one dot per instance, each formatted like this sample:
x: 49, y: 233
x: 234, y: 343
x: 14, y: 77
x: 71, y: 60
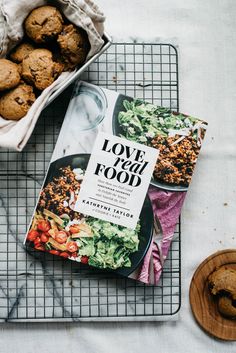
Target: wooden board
x: 203, y: 304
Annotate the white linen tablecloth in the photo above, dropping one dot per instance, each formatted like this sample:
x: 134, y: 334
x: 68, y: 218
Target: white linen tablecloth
x: 205, y: 33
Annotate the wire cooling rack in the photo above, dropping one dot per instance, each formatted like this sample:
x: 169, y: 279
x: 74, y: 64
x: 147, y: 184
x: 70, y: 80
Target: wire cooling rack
x: 39, y: 286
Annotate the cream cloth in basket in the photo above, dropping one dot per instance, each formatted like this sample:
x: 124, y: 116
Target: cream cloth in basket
x: 83, y: 13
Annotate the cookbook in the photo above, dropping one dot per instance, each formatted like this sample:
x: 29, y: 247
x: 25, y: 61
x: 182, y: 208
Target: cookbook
x: 116, y: 183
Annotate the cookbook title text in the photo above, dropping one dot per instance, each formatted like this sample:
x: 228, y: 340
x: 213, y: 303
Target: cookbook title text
x: 116, y: 180
x: 129, y: 163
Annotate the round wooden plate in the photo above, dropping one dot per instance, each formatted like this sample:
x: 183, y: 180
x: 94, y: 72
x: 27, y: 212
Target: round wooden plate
x: 203, y: 304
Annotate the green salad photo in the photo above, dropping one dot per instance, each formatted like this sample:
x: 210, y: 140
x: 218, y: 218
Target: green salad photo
x: 142, y: 121
x: 110, y: 246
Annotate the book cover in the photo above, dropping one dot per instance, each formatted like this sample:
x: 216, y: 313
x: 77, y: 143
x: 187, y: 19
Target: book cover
x: 116, y: 183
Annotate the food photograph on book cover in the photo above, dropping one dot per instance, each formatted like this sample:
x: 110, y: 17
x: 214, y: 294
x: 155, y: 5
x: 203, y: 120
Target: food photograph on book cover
x: 172, y: 141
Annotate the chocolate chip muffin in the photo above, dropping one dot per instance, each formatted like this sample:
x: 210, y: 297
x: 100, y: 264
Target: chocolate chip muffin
x: 39, y: 69
x: 43, y: 24
x: 15, y: 104
x: 74, y: 45
x: 9, y: 74
x: 21, y: 51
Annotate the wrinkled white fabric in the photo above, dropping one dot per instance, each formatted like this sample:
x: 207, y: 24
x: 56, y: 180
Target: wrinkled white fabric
x: 83, y: 13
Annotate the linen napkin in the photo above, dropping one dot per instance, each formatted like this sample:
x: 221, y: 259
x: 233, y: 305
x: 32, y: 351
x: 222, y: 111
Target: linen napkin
x: 83, y: 13
x: 166, y: 208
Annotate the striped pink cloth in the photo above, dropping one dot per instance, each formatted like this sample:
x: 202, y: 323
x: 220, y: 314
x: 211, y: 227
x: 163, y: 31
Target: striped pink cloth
x: 166, y: 207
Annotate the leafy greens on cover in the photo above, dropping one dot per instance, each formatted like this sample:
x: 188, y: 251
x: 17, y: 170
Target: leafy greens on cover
x: 143, y: 121
x: 110, y: 246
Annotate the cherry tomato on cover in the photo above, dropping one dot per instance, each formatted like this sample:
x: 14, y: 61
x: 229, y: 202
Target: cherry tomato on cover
x: 44, y: 238
x: 54, y: 252
x: 84, y: 259
x: 44, y: 226
x: 72, y: 246
x: 39, y: 247
x: 37, y: 241
x: 64, y: 254
x: 74, y: 229
x: 32, y: 235
x: 61, y: 237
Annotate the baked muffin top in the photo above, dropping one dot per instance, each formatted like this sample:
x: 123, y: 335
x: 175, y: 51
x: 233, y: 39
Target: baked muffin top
x: 39, y: 69
x: 9, y: 74
x: 15, y: 103
x: 43, y: 24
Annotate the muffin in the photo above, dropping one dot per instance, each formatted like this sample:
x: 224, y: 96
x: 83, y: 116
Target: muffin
x: 74, y: 45
x: 21, y: 51
x: 223, y: 280
x: 39, y: 69
x: 15, y: 104
x: 43, y: 24
x: 9, y: 74
x: 222, y: 284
